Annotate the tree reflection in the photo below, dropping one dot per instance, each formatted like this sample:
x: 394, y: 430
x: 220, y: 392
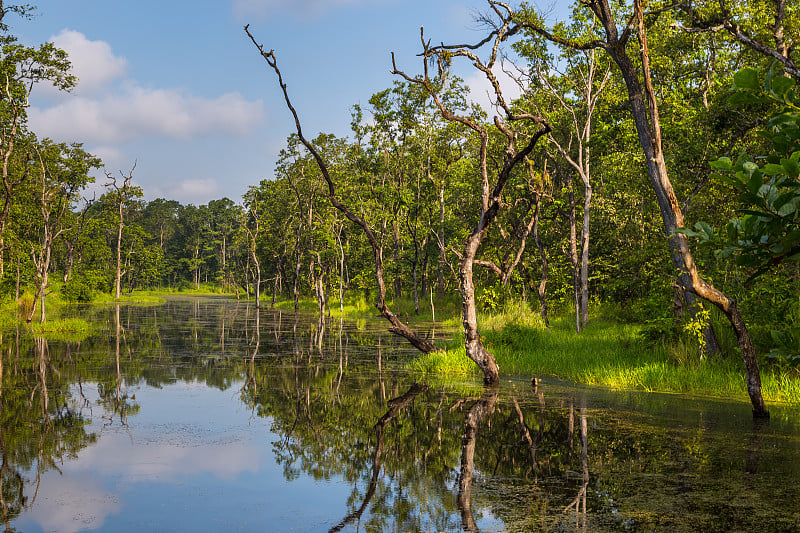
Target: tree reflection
x: 395, y: 406
x: 579, y: 503
x: 477, y: 415
x: 39, y: 425
x: 434, y: 457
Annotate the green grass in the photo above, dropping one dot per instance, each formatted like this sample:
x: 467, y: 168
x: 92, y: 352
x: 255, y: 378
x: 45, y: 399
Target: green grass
x: 69, y: 329
x: 606, y: 353
x: 357, y: 304
x: 136, y: 297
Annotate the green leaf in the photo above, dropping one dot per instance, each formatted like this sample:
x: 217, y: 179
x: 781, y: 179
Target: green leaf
x: 723, y: 163
x: 757, y: 213
x: 783, y: 199
x: 781, y: 85
x: 791, y: 166
x: 771, y: 169
x: 754, y: 184
x: 688, y: 232
x: 749, y: 167
x: 743, y: 98
x: 707, y: 233
x: 746, y: 79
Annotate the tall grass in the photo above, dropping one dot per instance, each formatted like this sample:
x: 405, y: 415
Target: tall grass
x: 606, y: 353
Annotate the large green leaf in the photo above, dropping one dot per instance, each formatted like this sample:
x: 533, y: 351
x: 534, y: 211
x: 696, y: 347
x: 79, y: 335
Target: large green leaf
x: 723, y: 163
x: 792, y: 167
x: 781, y: 85
x: 746, y: 78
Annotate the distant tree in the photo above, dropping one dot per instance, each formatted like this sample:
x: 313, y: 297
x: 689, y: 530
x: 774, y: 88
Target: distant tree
x: 121, y: 193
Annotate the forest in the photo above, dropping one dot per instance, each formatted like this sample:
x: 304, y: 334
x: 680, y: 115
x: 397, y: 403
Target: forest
x: 648, y: 172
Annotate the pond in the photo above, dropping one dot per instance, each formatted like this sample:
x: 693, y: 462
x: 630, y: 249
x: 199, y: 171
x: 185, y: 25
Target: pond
x: 204, y: 414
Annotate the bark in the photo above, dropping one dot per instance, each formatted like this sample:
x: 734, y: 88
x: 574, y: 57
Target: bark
x: 644, y: 111
x: 442, y: 252
x: 297, y: 265
x: 341, y: 269
x: 573, y: 254
x: 541, y: 289
x: 398, y: 281
x: 253, y: 235
x: 118, y: 269
x: 584, y: 269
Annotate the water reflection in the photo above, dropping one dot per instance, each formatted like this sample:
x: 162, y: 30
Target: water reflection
x: 212, y: 404
x: 478, y: 414
x: 39, y: 426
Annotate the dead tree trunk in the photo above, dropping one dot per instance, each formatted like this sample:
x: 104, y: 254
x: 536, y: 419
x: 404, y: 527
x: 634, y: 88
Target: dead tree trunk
x: 491, y: 196
x: 397, y: 326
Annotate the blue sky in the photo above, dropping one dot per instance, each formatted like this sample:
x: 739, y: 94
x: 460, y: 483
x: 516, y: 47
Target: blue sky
x: 177, y: 87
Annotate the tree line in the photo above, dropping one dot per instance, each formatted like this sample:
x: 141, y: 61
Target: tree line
x: 649, y: 165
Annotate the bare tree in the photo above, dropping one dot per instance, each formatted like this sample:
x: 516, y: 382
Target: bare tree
x: 121, y: 193
x: 512, y: 128
x: 397, y: 326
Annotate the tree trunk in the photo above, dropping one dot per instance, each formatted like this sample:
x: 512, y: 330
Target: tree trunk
x: 644, y: 111
x: 442, y: 253
x: 118, y: 270
x: 584, y: 299
x: 398, y: 283
x: 573, y: 254
x: 542, y: 288
x: 472, y: 343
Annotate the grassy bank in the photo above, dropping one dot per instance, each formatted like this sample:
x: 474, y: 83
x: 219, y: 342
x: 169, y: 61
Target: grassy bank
x: 60, y: 323
x: 607, y: 353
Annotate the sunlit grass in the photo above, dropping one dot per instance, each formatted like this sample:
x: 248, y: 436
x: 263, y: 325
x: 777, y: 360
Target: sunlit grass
x: 136, y: 297
x: 70, y: 329
x: 605, y: 353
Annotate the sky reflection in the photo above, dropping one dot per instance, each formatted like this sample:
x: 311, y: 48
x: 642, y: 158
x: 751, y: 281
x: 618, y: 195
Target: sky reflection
x: 188, y: 444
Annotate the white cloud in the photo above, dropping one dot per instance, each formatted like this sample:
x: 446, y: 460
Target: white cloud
x: 482, y: 93
x: 137, y: 112
x: 93, y: 62
x: 111, y: 155
x: 72, y: 504
x: 193, y: 190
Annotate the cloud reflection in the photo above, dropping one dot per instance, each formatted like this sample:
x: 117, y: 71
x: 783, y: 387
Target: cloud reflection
x: 108, y: 477
x: 70, y: 504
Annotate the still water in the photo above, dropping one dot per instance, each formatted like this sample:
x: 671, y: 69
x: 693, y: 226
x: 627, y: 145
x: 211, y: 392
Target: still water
x: 205, y: 415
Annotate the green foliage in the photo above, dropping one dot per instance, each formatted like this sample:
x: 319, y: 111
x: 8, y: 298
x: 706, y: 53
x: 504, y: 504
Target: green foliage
x: 695, y: 327
x: 83, y: 286
x: 491, y: 299
x: 768, y: 230
x: 786, y: 349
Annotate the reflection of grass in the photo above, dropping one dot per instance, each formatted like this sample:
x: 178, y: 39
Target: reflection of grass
x: 606, y: 353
